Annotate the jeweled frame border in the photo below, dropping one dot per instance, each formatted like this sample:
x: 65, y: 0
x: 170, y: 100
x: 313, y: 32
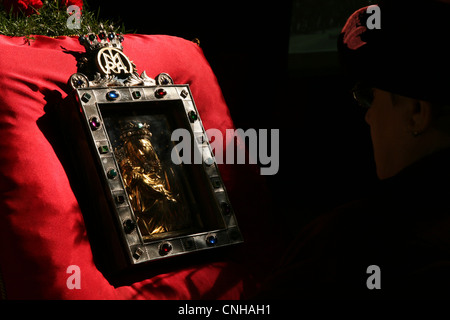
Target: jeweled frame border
x: 137, y: 250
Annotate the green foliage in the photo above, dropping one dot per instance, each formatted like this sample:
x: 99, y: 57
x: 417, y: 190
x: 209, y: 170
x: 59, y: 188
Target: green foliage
x: 51, y: 21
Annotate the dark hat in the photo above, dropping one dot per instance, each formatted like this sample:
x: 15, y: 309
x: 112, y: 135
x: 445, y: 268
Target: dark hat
x: 409, y: 54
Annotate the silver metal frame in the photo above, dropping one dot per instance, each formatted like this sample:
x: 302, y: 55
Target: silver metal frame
x: 136, y: 249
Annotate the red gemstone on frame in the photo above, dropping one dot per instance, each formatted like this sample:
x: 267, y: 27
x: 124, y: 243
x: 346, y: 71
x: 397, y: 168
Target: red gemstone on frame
x: 160, y: 93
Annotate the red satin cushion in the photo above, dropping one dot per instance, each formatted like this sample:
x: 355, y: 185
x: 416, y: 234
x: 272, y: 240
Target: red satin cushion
x: 42, y: 230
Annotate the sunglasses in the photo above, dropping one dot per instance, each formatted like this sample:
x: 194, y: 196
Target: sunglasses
x: 363, y: 94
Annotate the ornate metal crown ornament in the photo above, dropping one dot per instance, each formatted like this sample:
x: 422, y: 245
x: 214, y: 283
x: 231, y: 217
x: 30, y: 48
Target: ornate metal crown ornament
x: 130, y: 129
x: 104, y: 55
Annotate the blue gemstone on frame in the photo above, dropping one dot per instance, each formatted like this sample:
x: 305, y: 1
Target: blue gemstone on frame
x: 211, y: 240
x: 112, y: 95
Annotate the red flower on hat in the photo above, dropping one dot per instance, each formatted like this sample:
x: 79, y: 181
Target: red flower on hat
x: 353, y: 30
x: 27, y: 7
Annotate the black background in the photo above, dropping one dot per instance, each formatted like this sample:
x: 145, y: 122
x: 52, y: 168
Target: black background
x: 325, y: 149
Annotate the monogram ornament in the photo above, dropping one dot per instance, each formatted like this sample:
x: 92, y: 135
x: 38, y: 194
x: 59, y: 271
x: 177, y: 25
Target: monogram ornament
x: 113, y: 61
x: 104, y: 64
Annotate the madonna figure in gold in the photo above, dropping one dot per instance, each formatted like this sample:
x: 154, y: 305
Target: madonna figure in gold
x: 157, y: 209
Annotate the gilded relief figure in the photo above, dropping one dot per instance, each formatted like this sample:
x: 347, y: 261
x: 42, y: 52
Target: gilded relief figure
x: 157, y: 208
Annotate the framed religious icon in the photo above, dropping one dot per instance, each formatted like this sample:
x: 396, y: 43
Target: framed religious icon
x: 145, y: 203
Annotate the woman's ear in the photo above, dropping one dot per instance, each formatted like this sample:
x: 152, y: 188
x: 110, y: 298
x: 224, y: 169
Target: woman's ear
x: 421, y: 116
